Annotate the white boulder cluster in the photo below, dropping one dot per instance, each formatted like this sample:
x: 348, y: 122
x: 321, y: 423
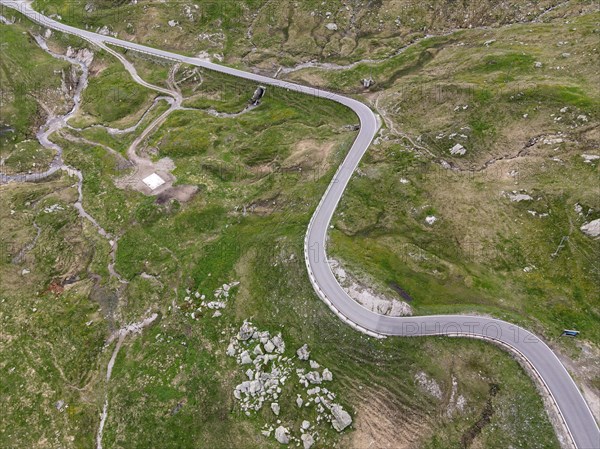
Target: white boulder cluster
x: 221, y: 295
x: 269, y: 370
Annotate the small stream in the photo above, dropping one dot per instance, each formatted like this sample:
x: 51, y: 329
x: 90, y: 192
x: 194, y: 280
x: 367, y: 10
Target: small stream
x: 134, y: 328
x: 55, y: 124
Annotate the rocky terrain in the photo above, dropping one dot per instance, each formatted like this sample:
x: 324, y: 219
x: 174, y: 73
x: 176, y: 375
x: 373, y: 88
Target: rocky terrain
x: 268, y: 371
x: 368, y: 297
x: 82, y: 258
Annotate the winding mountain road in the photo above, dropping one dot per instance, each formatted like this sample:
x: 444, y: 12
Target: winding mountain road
x: 573, y: 410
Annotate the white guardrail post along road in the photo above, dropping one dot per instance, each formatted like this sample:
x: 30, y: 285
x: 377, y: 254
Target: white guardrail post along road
x: 573, y: 410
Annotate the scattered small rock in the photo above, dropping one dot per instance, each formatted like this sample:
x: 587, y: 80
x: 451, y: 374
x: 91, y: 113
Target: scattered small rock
x: 53, y: 208
x: 429, y: 385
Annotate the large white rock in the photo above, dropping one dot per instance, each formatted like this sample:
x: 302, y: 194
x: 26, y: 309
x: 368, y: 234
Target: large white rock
x: 307, y: 440
x: 518, y: 197
x: 589, y: 158
x: 327, y: 375
x: 282, y: 435
x: 314, y: 377
x: 275, y: 407
x: 255, y: 387
x: 269, y: 346
x: 279, y: 343
x: 592, y: 228
x: 331, y: 26
x: 245, y: 358
x: 303, y: 353
x: 246, y: 331
x: 458, y: 149
x: 341, y: 418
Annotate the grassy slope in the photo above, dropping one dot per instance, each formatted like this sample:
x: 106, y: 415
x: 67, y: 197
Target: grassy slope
x: 473, y: 259
x: 25, y: 82
x: 112, y: 97
x: 201, y: 245
x: 286, y: 32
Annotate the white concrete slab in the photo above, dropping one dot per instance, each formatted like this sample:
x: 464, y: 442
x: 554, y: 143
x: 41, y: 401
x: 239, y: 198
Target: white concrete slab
x: 153, y: 181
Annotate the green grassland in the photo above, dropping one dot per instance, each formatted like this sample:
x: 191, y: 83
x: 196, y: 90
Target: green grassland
x: 112, y: 96
x: 276, y: 160
x: 260, y: 176
x: 25, y: 156
x: 486, y: 253
x: 29, y: 78
x: 29, y: 75
x: 263, y: 33
x: 188, y: 247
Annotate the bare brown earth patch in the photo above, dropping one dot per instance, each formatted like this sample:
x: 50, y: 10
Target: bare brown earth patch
x: 310, y: 153
x: 181, y: 193
x: 381, y: 424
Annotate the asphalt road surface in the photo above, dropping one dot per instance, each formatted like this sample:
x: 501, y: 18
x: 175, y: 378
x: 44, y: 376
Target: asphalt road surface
x: 573, y: 409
